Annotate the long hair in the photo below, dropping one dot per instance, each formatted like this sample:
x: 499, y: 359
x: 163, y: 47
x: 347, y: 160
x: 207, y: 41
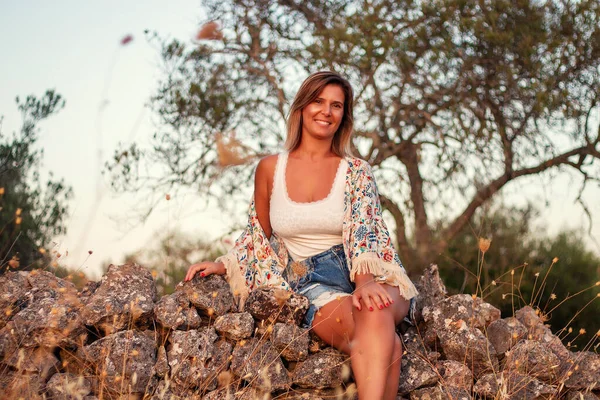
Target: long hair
x: 308, y: 92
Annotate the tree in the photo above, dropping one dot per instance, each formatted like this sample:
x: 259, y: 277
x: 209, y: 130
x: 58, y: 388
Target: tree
x: 455, y: 100
x: 32, y: 210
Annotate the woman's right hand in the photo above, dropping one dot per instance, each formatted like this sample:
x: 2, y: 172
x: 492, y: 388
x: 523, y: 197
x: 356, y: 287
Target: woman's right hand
x: 205, y: 268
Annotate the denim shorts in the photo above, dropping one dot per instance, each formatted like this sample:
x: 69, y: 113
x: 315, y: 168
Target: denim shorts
x: 322, y: 278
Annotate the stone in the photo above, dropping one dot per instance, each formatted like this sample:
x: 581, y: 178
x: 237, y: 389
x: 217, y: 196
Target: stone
x: 175, y: 311
x: 67, y: 386
x: 416, y: 372
x: 534, y: 359
x: 167, y: 390
x: 196, y: 358
x: 40, y: 361
x: 413, y: 342
x: 475, y: 312
x: 211, y: 295
x: 125, y: 297
x: 70, y: 362
x: 513, y: 386
x: 48, y: 316
x: 257, y: 362
x: 505, y: 333
x: 277, y: 305
x: 440, y: 392
x: 291, y: 341
x: 431, y: 291
x: 88, y: 290
x: 585, y: 372
x: 528, y: 317
x: 325, y: 369
x: 465, y: 344
x: 124, y: 359
x: 161, y: 368
x: 20, y: 385
x: 235, y: 326
x: 455, y: 374
x: 576, y: 395
x: 13, y: 286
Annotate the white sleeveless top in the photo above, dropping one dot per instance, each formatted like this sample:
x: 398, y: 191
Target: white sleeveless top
x: 309, y: 228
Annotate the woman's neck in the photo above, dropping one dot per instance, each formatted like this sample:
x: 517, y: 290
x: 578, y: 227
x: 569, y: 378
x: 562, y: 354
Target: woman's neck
x: 313, y: 150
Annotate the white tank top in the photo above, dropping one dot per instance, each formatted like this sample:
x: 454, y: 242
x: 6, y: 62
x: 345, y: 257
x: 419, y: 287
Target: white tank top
x: 309, y: 228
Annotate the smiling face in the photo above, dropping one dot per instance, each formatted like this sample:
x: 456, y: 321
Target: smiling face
x: 322, y: 117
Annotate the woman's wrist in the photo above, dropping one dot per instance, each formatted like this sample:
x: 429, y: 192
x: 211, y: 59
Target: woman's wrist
x: 361, y: 279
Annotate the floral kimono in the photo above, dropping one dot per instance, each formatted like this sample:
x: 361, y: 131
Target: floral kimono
x: 254, y: 261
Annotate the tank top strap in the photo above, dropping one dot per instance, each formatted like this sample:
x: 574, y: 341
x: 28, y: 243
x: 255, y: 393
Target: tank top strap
x: 279, y: 177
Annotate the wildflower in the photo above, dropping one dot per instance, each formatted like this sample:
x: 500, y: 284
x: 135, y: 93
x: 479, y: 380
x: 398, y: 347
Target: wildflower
x: 42, y: 250
x: 582, y: 331
x: 598, y: 283
x: 210, y: 312
x: 598, y: 333
x: 126, y: 39
x: 168, y: 197
x: 484, y: 244
x: 298, y: 268
x: 493, y: 283
x: 18, y: 220
x: 14, y: 262
x: 570, y: 329
x: 209, y: 31
x: 554, y: 260
x: 537, y: 274
x: 345, y: 372
x: 18, y: 212
x: 512, y: 271
x: 90, y: 252
x: 1, y: 191
x: 553, y: 296
x: 214, y: 294
x: 281, y: 296
x: 338, y: 320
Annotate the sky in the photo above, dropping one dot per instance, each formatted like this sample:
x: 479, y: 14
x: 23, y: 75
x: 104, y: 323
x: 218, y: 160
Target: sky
x: 74, y: 47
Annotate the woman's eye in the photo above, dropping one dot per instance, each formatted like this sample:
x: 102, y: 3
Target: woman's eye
x: 318, y: 101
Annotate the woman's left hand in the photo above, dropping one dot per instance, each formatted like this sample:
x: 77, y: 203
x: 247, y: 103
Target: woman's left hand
x: 372, y: 294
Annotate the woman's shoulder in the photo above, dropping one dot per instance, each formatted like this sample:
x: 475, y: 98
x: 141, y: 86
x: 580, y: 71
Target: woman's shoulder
x: 266, y: 166
x: 358, y: 164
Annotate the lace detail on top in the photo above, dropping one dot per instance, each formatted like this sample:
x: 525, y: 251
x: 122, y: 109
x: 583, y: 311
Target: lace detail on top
x: 309, y: 228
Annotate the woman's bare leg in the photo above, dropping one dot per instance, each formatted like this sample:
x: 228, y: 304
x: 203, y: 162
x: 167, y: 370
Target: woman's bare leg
x: 370, y: 339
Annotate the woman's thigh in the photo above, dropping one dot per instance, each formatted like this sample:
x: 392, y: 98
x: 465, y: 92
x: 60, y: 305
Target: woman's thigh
x: 335, y: 321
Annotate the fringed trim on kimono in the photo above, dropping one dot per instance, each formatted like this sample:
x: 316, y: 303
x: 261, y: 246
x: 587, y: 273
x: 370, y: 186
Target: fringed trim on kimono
x: 235, y: 278
x: 384, y: 272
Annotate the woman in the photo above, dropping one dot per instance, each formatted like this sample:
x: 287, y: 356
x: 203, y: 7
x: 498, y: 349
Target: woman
x: 315, y: 227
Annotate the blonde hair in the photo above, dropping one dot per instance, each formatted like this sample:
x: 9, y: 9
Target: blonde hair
x: 308, y: 92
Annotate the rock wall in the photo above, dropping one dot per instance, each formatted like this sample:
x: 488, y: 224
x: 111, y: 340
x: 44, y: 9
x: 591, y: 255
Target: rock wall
x: 117, y: 339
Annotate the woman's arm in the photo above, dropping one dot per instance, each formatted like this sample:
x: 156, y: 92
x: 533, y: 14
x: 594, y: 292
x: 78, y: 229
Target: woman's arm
x: 263, y: 185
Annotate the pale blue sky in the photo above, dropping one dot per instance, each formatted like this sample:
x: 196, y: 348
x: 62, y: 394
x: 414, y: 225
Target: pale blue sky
x: 72, y: 46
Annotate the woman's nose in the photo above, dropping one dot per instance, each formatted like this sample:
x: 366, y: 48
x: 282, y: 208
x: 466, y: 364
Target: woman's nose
x: 326, y: 110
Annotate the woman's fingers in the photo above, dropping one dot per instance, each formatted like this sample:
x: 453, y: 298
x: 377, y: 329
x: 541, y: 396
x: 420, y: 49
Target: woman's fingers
x: 356, y: 301
x: 192, y: 270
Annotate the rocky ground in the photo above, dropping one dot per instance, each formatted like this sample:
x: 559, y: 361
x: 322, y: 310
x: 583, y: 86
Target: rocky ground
x: 117, y: 339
